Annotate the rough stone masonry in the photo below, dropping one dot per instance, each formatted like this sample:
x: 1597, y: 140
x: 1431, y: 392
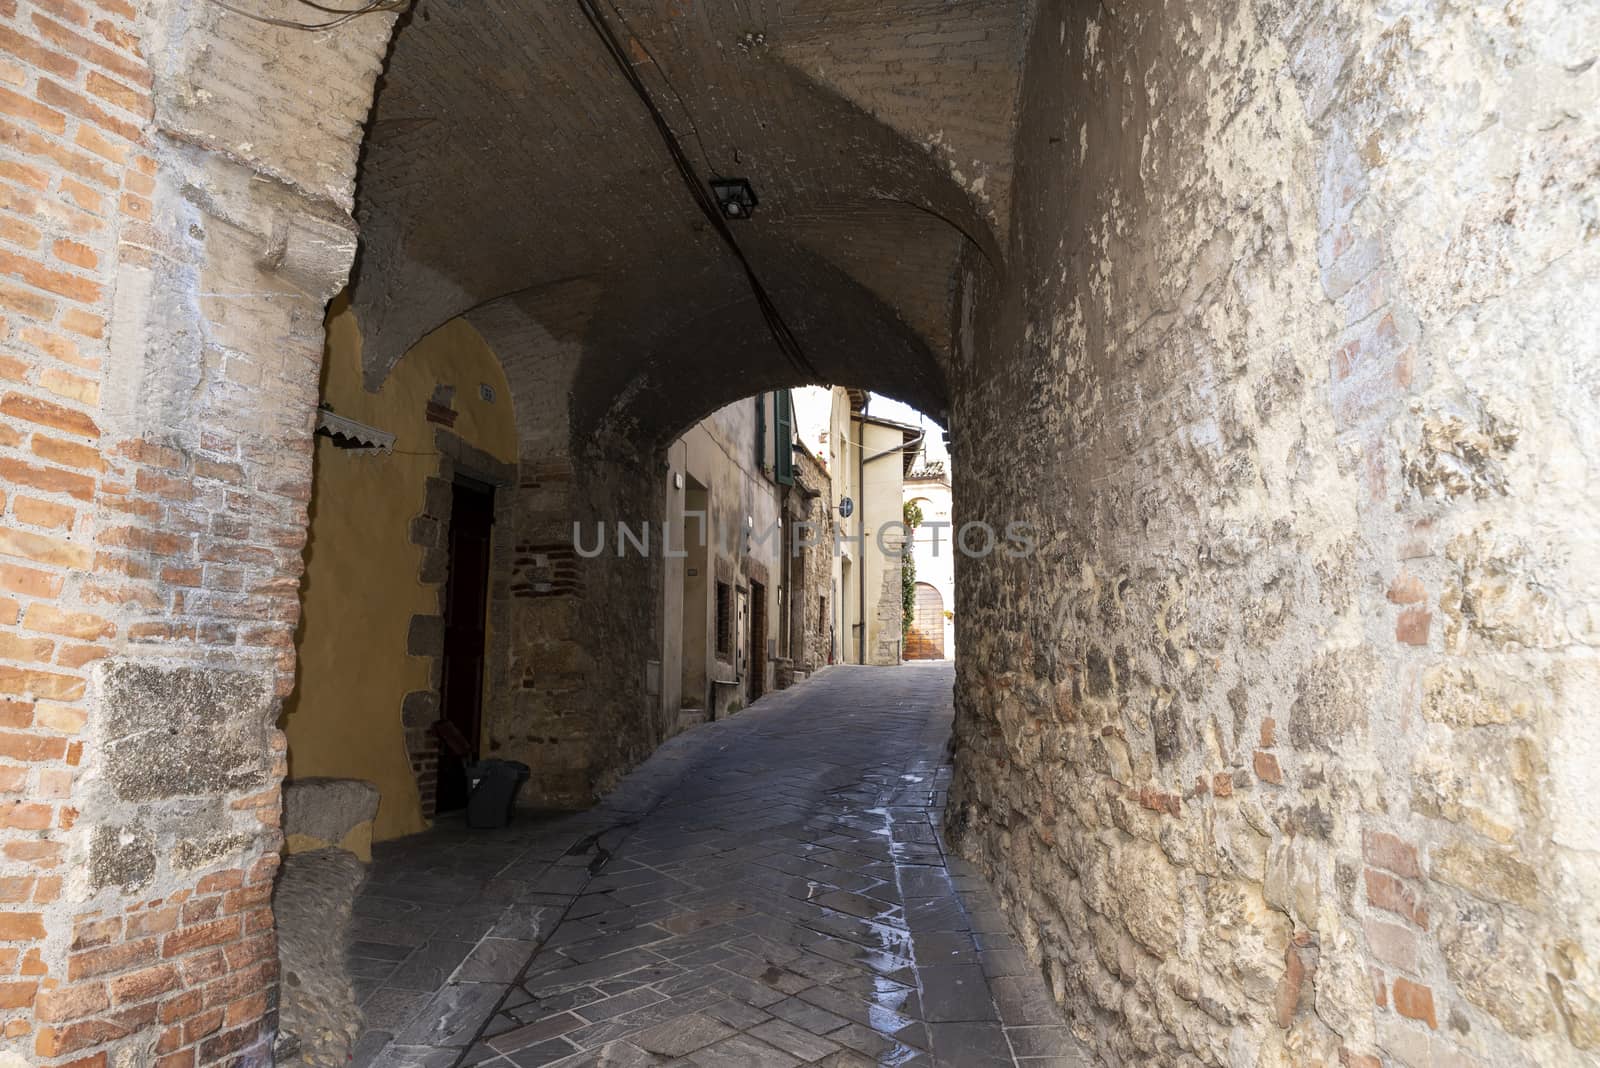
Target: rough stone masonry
x: 1277, y: 319
x: 1282, y: 749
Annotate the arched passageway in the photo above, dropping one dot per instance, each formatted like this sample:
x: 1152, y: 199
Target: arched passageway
x: 1274, y: 325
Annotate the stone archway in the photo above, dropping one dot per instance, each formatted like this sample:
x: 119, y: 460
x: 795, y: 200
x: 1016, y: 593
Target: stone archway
x: 1281, y: 332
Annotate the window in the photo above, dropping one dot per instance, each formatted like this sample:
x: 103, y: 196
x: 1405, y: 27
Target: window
x: 822, y: 615
x: 724, y: 621
x: 783, y: 446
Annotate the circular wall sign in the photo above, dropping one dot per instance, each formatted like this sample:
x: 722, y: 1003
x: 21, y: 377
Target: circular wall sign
x: 847, y: 508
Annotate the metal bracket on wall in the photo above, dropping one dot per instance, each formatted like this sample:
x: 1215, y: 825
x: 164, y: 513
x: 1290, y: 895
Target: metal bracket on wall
x: 349, y: 434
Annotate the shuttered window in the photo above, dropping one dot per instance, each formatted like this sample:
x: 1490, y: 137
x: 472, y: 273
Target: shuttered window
x: 783, y: 449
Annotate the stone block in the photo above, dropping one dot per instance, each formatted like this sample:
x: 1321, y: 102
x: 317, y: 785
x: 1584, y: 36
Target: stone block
x: 1497, y: 969
x: 175, y: 732
x: 426, y: 636
x: 321, y: 813
x: 419, y: 708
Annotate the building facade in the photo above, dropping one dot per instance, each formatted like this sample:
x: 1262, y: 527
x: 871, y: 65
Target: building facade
x: 741, y: 607
x: 931, y: 630
x: 867, y: 460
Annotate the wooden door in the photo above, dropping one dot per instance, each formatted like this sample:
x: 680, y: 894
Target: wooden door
x: 466, y: 608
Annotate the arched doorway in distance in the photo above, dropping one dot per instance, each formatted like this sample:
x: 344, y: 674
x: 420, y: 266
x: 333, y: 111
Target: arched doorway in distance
x: 926, y: 638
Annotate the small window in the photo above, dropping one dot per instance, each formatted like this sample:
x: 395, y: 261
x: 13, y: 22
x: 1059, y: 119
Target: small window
x: 724, y: 621
x: 822, y: 615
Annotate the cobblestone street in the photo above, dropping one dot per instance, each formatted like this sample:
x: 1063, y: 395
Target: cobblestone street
x: 765, y: 891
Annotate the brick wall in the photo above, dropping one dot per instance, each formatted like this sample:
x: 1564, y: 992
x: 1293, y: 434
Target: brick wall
x: 160, y: 309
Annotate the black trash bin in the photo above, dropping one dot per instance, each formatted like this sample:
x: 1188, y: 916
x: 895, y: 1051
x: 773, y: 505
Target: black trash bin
x: 494, y: 785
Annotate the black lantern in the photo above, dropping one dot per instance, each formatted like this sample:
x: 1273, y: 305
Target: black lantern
x: 735, y: 196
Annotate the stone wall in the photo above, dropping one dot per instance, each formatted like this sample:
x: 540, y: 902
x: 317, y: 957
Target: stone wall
x: 1277, y: 749
x: 811, y: 645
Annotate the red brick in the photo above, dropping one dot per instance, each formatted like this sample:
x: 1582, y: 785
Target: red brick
x: 90, y: 933
x: 1414, y: 1001
x: 19, y: 299
x: 21, y: 816
x: 1413, y: 626
x: 45, y: 413
x: 182, y: 1007
x: 224, y: 1045
x: 44, y: 549
x: 145, y: 984
x: 47, y: 119
x: 51, y: 620
x: 37, y: 854
x: 201, y: 1025
x: 35, y: 54
x: 1386, y: 892
x: 188, y: 939
x: 17, y: 995
x: 83, y: 323
x: 58, y: 96
x: 31, y: 747
x: 200, y: 909
x: 72, y: 1002
x: 231, y: 879
x: 69, y: 453
x: 118, y: 95
x: 118, y: 958
x: 248, y: 898
x: 46, y: 514
x: 47, y: 479
x: 21, y: 926
x: 65, y: 10
x: 153, y: 921
x: 247, y: 952
x: 17, y: 647
x: 1384, y: 850
x: 61, y: 283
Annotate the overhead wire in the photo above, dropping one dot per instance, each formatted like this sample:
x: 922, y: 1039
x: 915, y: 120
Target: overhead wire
x: 683, y: 105
x: 788, y: 344
x: 343, y: 15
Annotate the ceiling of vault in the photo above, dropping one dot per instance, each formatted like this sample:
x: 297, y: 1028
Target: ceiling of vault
x: 508, y: 156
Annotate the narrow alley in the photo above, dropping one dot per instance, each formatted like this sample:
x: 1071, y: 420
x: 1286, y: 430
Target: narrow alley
x: 904, y: 532
x: 767, y: 890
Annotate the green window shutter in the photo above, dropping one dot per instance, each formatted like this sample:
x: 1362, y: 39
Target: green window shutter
x: 783, y: 450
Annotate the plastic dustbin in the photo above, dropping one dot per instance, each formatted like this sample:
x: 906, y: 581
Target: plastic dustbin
x: 494, y: 787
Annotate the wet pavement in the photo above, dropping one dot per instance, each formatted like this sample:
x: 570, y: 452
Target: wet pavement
x: 765, y: 891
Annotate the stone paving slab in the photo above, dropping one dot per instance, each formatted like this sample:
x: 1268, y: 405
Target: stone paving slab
x: 765, y: 891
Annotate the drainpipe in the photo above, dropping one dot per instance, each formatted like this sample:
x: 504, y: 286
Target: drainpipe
x: 862, y: 460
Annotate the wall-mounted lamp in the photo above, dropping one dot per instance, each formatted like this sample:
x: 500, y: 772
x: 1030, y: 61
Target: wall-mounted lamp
x: 735, y: 196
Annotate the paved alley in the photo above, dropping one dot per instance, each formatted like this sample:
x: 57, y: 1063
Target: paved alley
x: 766, y: 891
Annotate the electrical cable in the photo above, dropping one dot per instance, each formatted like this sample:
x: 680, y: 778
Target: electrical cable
x: 344, y: 14
x: 683, y: 105
x: 787, y: 342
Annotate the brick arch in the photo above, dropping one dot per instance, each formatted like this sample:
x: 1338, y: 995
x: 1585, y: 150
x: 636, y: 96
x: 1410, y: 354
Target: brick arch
x: 590, y: 195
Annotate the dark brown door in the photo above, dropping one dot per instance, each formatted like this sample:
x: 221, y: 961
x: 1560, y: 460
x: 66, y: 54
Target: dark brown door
x: 758, y: 640
x: 465, y: 614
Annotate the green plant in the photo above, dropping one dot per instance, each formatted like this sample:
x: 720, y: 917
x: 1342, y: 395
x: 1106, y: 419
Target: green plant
x: 908, y: 570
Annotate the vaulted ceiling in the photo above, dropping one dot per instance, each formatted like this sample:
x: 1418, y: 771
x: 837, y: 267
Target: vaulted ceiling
x: 509, y: 160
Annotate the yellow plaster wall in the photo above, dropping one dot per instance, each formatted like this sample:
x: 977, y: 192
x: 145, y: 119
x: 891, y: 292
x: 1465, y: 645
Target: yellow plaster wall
x: 361, y: 588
